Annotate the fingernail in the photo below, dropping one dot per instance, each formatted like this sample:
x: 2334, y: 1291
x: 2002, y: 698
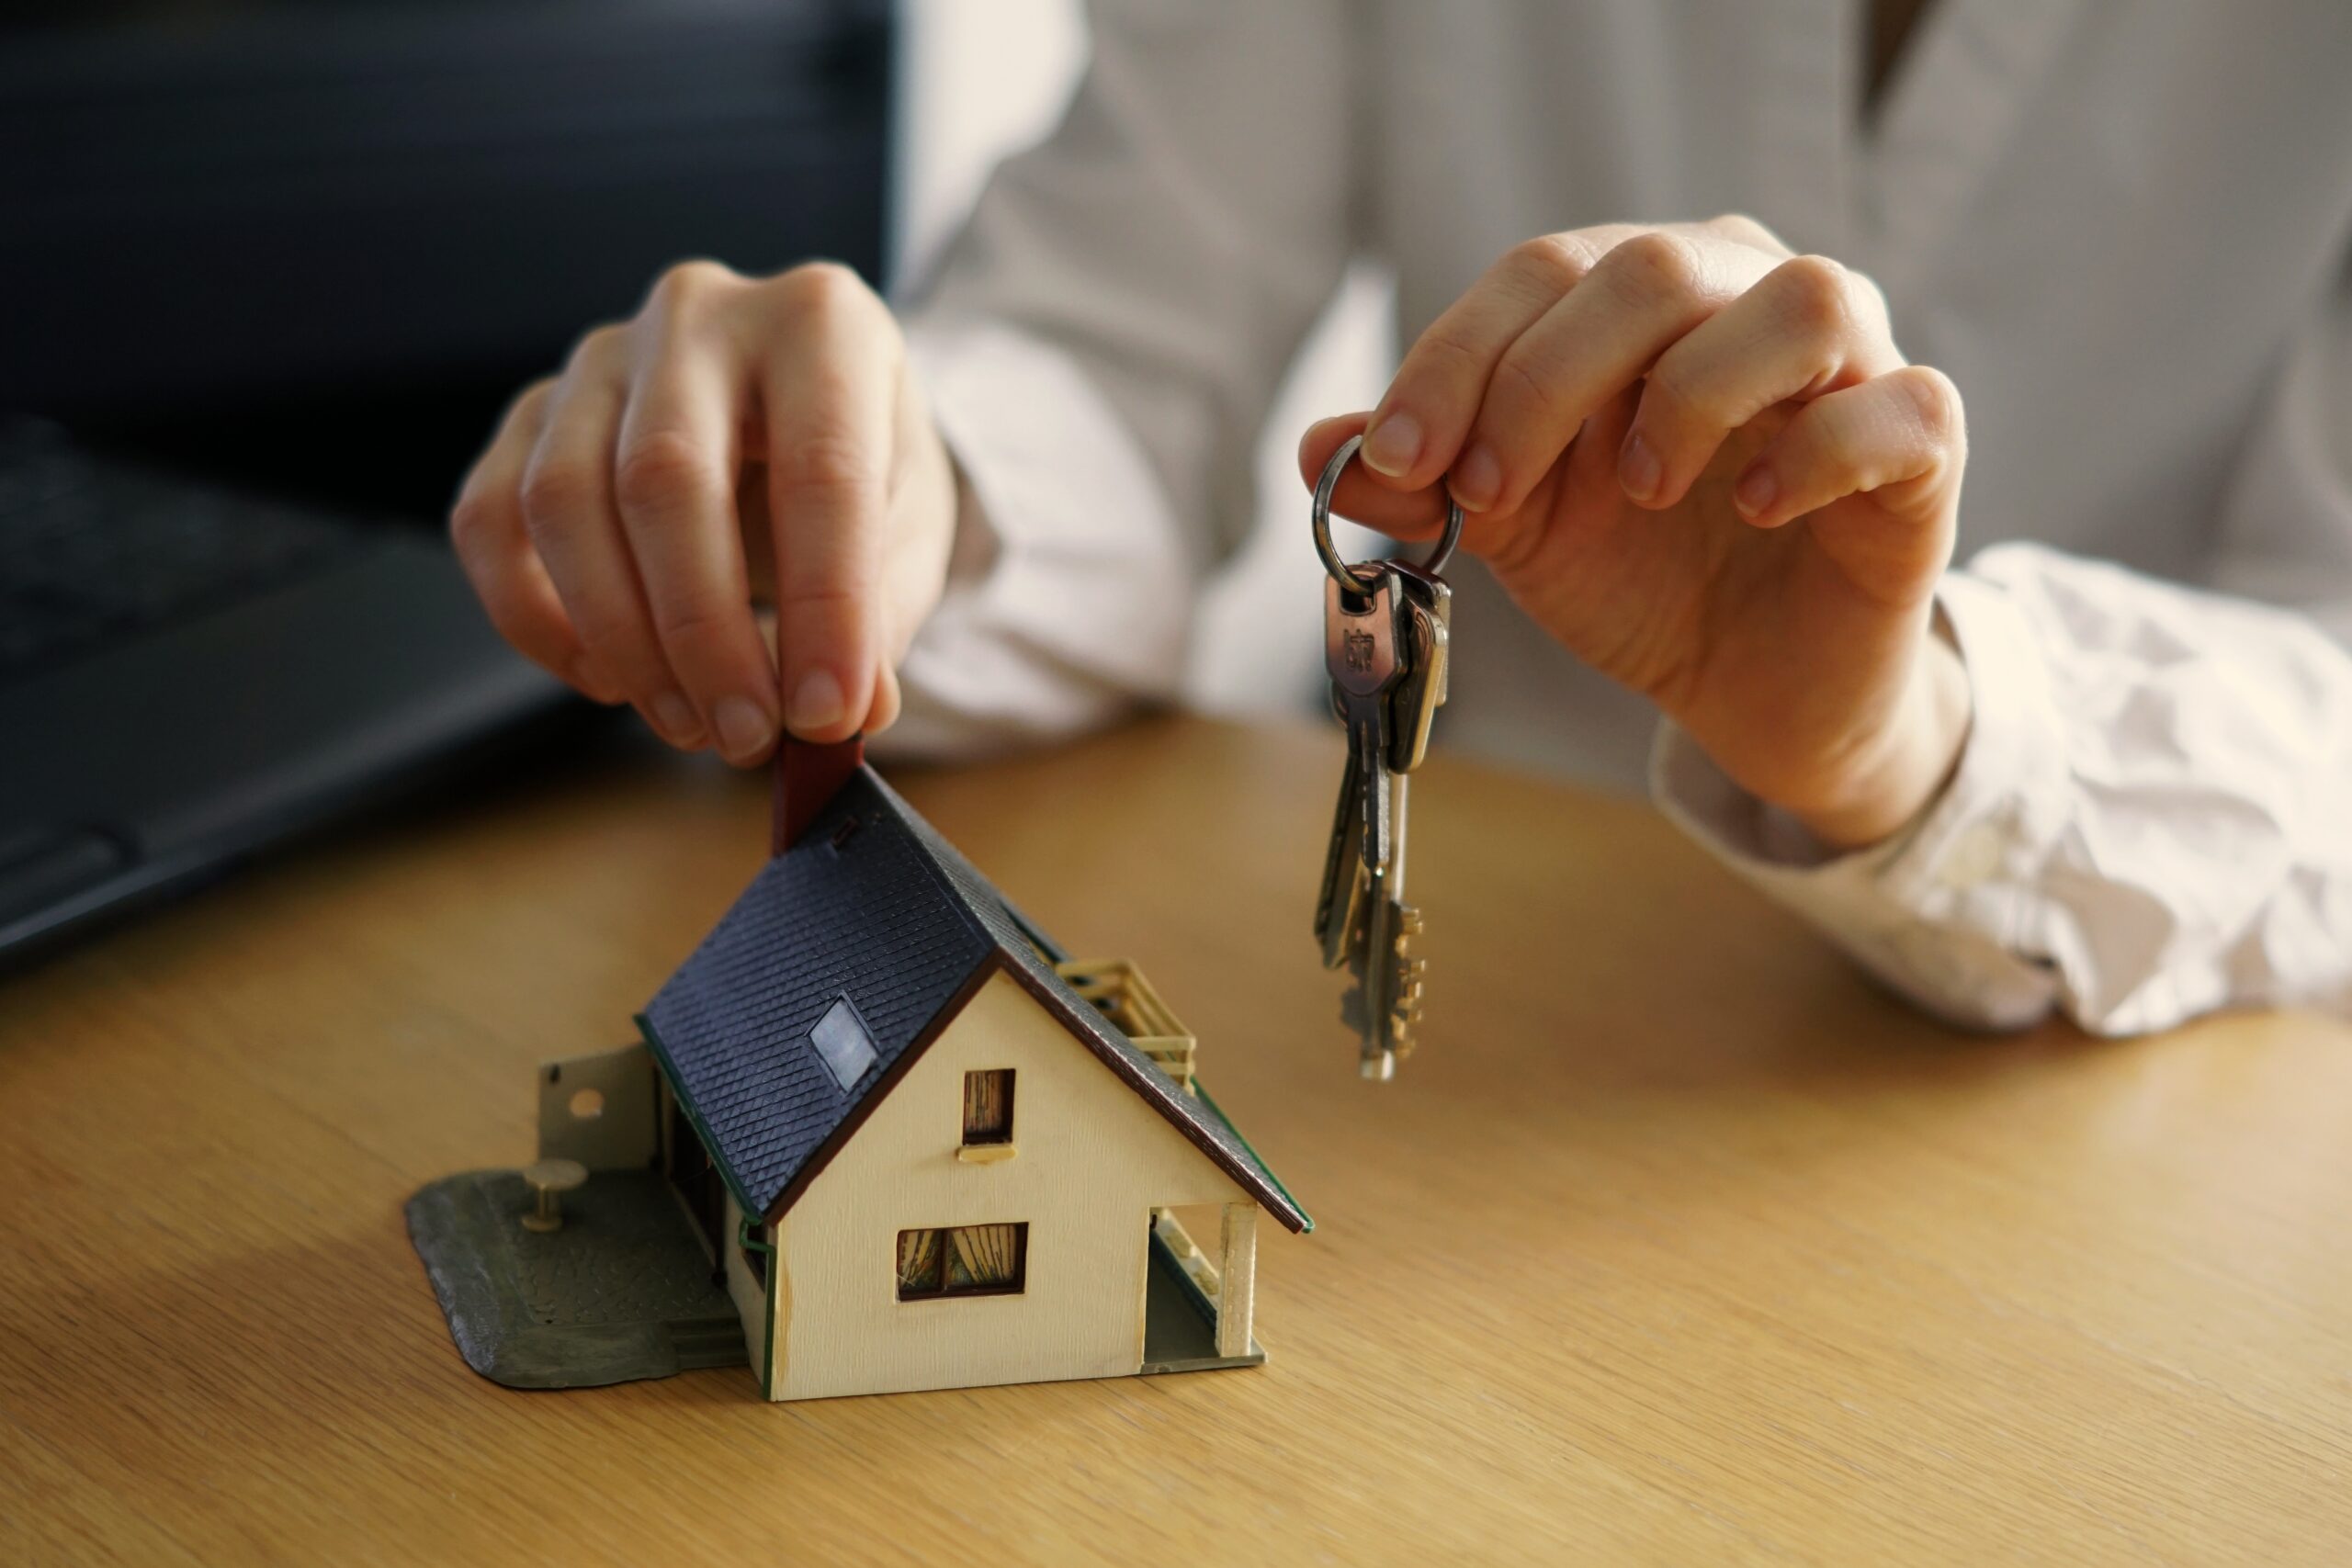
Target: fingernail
x: 676, y: 719
x: 1393, y: 445
x: 1638, y: 469
x: 1754, y: 491
x: 743, y: 728
x: 1477, y: 479
x: 816, y: 702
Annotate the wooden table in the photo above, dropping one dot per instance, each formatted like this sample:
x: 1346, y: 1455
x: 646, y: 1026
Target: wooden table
x: 1676, y: 1242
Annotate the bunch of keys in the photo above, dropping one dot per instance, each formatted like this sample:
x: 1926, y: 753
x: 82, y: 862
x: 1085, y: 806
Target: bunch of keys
x: 1384, y: 624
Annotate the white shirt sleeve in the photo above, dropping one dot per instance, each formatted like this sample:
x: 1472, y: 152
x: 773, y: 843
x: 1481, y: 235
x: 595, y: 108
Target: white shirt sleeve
x: 1071, y: 592
x: 2153, y: 814
x: 1100, y: 350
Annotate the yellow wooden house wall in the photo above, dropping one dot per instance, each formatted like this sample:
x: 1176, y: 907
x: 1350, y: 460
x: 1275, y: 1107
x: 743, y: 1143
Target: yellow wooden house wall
x: 749, y: 1293
x: 1093, y: 1160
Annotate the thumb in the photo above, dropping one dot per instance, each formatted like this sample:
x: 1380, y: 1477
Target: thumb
x: 1363, y: 496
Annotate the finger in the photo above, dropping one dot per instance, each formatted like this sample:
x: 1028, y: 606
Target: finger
x: 492, y: 547
x: 889, y: 699
x: 1740, y: 228
x: 569, y: 509
x: 1809, y: 327
x: 1636, y: 303
x: 673, y: 480
x: 1360, y: 497
x: 828, y: 397
x: 1417, y: 431
x: 1900, y: 438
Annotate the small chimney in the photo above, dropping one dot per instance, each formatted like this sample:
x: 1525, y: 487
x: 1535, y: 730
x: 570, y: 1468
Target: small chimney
x: 807, y: 776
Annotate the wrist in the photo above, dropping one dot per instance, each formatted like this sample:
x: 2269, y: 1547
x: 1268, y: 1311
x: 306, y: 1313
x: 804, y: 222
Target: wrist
x: 1920, y: 749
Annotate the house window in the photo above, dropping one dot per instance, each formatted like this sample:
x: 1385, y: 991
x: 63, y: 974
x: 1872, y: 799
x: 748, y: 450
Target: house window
x: 964, y: 1261
x: 843, y: 1043
x: 988, y: 1106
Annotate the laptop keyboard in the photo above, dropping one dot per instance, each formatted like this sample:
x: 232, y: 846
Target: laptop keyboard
x: 95, y: 553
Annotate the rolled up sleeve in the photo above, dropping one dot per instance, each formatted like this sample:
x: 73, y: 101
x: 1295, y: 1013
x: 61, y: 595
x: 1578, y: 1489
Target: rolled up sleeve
x: 2146, y: 821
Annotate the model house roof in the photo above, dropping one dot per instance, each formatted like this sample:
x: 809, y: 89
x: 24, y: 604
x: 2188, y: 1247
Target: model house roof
x: 872, y: 906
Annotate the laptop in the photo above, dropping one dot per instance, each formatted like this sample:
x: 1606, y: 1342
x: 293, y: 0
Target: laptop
x: 271, y: 272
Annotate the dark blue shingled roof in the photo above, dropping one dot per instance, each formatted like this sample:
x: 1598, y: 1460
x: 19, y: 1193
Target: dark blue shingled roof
x: 894, y: 918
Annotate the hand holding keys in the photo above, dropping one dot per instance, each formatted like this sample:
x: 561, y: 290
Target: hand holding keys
x: 1384, y: 643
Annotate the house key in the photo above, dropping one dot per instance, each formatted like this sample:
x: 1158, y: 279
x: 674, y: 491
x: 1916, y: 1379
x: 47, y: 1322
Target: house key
x: 1386, y: 627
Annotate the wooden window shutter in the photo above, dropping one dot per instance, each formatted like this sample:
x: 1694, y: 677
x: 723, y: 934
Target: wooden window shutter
x: 988, y: 1106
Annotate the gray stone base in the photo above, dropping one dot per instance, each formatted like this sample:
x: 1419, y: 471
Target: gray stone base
x: 623, y: 1292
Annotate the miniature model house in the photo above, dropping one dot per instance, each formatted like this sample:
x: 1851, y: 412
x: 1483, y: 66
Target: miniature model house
x: 916, y: 1148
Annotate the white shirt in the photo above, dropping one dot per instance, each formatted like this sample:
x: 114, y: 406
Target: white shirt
x: 2121, y: 227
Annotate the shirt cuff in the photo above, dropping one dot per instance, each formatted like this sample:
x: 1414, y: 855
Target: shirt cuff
x: 1944, y: 911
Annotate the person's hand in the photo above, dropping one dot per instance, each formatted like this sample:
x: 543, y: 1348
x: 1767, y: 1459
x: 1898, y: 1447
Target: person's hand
x: 1700, y: 463
x: 741, y: 440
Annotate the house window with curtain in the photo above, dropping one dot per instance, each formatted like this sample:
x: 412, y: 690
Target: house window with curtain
x: 988, y: 1106
x: 963, y: 1261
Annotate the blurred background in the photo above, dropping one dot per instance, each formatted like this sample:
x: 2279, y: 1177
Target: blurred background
x: 274, y: 269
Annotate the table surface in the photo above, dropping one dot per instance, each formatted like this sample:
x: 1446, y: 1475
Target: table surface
x: 1675, y: 1243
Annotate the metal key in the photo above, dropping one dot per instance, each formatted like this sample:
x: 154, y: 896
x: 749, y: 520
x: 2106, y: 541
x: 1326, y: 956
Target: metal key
x: 1414, y: 703
x: 1385, y: 646
x: 1339, y: 911
x: 1384, y: 1004
x: 1364, y: 633
x: 1377, y: 645
x: 1366, y: 642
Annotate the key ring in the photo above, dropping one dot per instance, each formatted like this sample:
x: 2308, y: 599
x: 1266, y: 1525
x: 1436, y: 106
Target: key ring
x: 1340, y: 571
